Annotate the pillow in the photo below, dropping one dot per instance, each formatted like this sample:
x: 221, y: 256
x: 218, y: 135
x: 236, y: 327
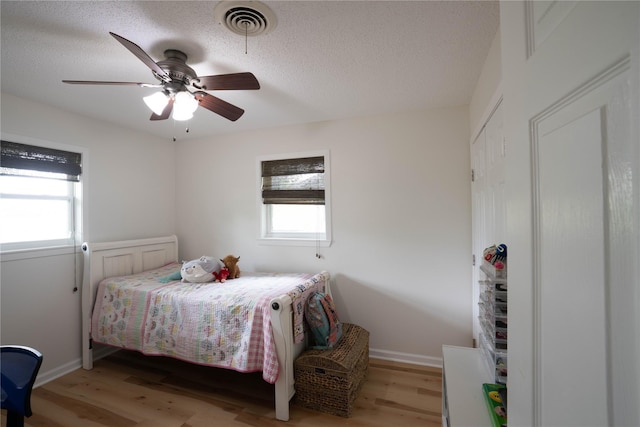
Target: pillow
x: 171, y: 277
x: 200, y: 270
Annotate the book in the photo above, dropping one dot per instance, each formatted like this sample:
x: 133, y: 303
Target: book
x: 503, y: 396
x: 495, y: 405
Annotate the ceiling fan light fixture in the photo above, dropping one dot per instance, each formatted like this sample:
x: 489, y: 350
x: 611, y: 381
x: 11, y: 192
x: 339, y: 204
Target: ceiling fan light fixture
x: 156, y: 102
x: 184, y: 106
x: 181, y: 115
x: 175, y: 77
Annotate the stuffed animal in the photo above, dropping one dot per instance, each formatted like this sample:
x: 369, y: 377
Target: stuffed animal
x: 489, y: 253
x: 231, y: 262
x: 200, y: 270
x: 222, y: 275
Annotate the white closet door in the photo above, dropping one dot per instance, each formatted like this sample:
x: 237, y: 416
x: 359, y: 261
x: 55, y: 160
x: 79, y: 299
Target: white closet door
x: 487, y: 195
x: 571, y: 79
x: 479, y: 221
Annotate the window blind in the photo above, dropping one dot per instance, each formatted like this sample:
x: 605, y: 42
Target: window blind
x: 29, y: 160
x: 293, y: 181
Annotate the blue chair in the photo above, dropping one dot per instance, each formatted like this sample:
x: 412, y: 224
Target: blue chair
x: 19, y: 367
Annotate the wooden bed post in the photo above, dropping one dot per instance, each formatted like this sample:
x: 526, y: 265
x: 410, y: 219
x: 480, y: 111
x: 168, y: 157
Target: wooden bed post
x: 282, y: 325
x: 87, y: 303
x: 287, y: 350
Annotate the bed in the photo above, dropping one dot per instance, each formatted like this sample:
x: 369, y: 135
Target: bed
x: 129, y: 301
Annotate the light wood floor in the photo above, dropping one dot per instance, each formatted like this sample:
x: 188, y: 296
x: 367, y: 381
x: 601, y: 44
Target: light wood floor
x: 130, y: 390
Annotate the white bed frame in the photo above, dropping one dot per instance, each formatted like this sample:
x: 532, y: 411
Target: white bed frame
x: 102, y: 260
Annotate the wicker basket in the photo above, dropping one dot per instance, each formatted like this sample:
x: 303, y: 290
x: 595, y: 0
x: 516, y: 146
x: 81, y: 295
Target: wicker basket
x: 329, y: 380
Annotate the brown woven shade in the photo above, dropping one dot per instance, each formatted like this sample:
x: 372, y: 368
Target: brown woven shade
x: 29, y: 160
x: 293, y: 181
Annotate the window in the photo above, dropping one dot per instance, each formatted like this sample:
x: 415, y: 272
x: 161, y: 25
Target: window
x: 38, y: 188
x: 294, y: 198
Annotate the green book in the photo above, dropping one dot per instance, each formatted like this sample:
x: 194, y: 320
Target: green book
x: 495, y: 405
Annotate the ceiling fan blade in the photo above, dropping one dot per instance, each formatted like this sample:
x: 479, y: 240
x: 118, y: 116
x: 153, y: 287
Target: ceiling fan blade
x: 94, y: 82
x: 165, y: 113
x: 142, y: 55
x: 218, y: 106
x: 235, y: 81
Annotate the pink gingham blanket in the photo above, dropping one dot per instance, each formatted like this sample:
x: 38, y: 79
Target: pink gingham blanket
x: 226, y: 325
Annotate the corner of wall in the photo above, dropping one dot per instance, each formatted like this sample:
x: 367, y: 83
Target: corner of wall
x: 488, y: 88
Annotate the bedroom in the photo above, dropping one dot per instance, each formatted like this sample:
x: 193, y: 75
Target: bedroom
x: 404, y: 253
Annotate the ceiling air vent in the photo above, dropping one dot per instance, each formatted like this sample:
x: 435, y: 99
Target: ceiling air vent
x: 246, y: 18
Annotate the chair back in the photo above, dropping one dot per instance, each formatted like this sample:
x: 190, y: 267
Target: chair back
x: 19, y: 366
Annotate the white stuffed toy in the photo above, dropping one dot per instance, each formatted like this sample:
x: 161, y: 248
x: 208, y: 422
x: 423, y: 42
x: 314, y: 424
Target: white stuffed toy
x: 200, y: 270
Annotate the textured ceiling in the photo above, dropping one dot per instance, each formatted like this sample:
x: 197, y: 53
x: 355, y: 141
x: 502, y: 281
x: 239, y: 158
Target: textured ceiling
x: 324, y: 60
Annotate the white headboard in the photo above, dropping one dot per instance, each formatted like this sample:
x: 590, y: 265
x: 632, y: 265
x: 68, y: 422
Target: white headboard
x: 107, y: 259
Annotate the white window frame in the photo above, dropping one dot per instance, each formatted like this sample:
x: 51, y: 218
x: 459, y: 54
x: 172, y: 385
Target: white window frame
x: 76, y: 197
x: 265, y: 235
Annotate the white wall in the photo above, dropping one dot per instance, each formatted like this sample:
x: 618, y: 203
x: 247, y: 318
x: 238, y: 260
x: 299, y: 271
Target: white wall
x: 129, y: 182
x: 129, y: 175
x: 400, y: 259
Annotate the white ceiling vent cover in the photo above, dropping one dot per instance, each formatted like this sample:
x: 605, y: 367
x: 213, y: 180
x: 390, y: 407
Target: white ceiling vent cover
x: 246, y: 18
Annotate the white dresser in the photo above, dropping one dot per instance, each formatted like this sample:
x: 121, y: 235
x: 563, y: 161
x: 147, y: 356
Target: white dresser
x: 463, y: 373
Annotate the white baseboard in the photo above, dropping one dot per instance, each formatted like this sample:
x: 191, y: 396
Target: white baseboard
x: 103, y: 351
x: 52, y: 374
x: 416, y: 359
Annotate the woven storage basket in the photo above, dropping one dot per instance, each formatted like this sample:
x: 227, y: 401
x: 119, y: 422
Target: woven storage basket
x: 329, y: 380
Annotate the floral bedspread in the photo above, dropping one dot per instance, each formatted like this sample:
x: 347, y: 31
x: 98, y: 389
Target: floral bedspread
x: 226, y: 324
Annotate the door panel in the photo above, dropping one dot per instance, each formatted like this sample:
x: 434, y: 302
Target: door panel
x: 495, y: 149
x: 572, y: 337
x: 478, y: 224
x: 576, y: 176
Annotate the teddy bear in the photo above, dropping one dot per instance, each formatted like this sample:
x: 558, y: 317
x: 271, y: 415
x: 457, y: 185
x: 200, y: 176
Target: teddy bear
x: 200, y: 270
x: 231, y: 262
x: 222, y: 275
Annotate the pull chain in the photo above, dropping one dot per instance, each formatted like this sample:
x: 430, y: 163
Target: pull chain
x: 246, y: 36
x: 174, y: 131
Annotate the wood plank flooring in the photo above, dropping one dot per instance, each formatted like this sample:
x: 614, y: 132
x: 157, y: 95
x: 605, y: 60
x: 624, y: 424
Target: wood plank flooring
x: 127, y: 389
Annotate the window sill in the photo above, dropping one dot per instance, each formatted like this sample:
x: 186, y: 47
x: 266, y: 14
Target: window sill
x: 18, y: 254
x: 278, y: 241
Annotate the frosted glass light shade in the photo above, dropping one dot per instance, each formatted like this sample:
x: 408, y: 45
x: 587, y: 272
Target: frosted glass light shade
x: 181, y: 115
x: 156, y: 102
x: 184, y: 106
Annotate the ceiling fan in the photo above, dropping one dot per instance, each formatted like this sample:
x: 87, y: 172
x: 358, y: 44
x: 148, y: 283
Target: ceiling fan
x: 182, y: 91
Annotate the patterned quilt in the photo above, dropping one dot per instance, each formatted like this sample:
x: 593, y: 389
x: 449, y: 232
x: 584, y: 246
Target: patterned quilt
x: 226, y: 324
